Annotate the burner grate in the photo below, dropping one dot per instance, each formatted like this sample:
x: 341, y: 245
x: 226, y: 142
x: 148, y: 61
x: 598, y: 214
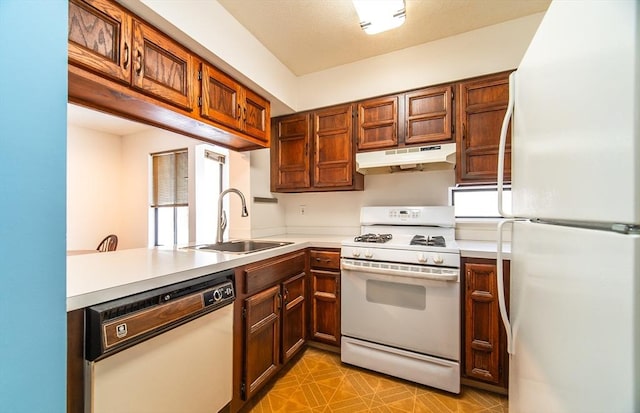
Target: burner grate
x: 379, y: 238
x: 435, y: 241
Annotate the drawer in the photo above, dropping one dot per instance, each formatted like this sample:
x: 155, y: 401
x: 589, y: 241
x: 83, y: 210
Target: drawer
x: 325, y: 259
x: 266, y: 273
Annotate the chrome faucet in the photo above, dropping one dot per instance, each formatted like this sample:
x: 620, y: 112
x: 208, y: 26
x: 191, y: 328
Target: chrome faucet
x: 222, y: 216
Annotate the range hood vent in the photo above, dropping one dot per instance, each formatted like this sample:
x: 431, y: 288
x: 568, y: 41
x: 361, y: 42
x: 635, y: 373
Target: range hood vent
x: 422, y: 158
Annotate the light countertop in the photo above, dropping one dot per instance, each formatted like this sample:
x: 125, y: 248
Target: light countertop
x: 100, y: 277
x: 482, y: 249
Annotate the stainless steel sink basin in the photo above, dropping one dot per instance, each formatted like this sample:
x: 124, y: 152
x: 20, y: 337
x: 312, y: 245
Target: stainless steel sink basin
x: 239, y: 246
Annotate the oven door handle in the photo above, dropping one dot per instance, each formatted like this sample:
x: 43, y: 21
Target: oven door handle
x: 349, y: 265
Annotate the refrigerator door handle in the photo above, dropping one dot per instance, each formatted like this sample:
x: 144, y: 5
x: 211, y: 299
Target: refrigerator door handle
x: 503, y: 142
x: 500, y: 283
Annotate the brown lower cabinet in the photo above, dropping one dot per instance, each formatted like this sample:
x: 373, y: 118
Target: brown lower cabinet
x: 485, y: 357
x: 324, y: 317
x: 269, y: 321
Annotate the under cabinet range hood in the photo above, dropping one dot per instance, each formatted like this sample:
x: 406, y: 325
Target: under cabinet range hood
x: 419, y: 158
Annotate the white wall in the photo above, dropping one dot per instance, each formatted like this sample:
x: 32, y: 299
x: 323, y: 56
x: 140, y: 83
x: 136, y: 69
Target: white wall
x: 266, y: 218
x: 487, y: 50
x: 94, y: 177
x: 339, y: 212
x: 108, y: 184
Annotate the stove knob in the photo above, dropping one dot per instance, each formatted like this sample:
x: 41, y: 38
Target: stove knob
x: 437, y: 259
x: 368, y: 254
x: 422, y: 258
x: 355, y: 253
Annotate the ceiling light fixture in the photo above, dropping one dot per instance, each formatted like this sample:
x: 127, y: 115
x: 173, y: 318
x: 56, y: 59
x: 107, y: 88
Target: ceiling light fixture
x: 377, y: 16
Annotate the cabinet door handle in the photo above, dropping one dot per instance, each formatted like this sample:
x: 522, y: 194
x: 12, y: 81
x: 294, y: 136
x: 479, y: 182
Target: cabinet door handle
x: 245, y: 115
x: 239, y: 112
x: 139, y: 62
x: 126, y: 56
x: 279, y: 301
x: 464, y: 135
x: 323, y: 259
x: 286, y: 296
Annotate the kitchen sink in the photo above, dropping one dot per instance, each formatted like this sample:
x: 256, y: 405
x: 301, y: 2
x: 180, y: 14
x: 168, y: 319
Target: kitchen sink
x: 239, y: 246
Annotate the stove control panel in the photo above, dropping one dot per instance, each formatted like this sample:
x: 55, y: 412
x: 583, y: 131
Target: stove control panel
x: 404, y: 214
x: 443, y: 216
x: 444, y: 259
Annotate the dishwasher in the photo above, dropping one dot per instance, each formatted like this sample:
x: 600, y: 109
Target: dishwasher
x: 166, y: 350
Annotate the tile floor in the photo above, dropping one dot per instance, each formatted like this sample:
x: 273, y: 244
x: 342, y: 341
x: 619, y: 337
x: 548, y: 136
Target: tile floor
x: 319, y: 382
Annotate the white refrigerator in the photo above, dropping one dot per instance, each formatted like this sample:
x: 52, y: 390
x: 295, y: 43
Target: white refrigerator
x: 574, y: 326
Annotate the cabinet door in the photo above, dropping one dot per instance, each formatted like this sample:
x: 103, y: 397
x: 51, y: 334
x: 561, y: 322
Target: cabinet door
x: 429, y: 115
x: 100, y: 38
x: 334, y: 154
x: 255, y: 116
x: 262, y: 338
x: 161, y: 67
x: 290, y: 153
x: 485, y: 344
x: 325, y: 306
x: 483, y: 104
x: 293, y: 316
x: 378, y: 123
x: 221, y: 100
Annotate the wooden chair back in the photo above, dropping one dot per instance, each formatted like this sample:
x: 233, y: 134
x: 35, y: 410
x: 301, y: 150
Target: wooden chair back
x: 109, y: 243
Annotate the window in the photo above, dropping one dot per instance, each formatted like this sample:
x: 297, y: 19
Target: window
x: 478, y: 201
x: 169, y: 203
x: 210, y: 178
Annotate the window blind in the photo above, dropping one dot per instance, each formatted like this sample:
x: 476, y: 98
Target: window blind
x: 170, y: 179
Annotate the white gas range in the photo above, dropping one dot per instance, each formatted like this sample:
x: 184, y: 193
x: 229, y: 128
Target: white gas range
x: 401, y: 295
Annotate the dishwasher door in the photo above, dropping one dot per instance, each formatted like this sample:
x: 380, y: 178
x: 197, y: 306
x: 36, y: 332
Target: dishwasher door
x: 186, y: 369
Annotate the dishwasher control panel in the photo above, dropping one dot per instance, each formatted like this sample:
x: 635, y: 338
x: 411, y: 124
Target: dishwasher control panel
x: 220, y: 294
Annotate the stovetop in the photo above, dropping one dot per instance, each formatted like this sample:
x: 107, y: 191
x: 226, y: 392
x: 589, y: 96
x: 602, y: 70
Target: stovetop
x: 407, y: 242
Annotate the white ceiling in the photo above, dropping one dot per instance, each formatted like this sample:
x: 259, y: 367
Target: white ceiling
x: 312, y: 35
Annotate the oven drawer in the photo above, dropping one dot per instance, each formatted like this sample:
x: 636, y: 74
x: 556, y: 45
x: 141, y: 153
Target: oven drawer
x: 420, y: 368
x: 325, y: 259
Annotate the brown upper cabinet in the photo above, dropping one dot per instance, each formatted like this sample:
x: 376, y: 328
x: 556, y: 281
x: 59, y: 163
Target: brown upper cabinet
x: 378, y: 123
x: 161, y: 67
x: 333, y: 143
x: 290, y: 160
x: 429, y: 115
x: 423, y: 116
x: 100, y: 38
x: 482, y: 107
x: 315, y: 151
x: 115, y: 57
x: 226, y: 101
x: 104, y: 38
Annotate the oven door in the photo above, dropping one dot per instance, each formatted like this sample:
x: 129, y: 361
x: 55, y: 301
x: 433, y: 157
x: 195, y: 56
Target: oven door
x: 410, y: 307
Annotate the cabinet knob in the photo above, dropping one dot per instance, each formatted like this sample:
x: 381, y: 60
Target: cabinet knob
x: 139, y: 62
x: 125, y: 63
